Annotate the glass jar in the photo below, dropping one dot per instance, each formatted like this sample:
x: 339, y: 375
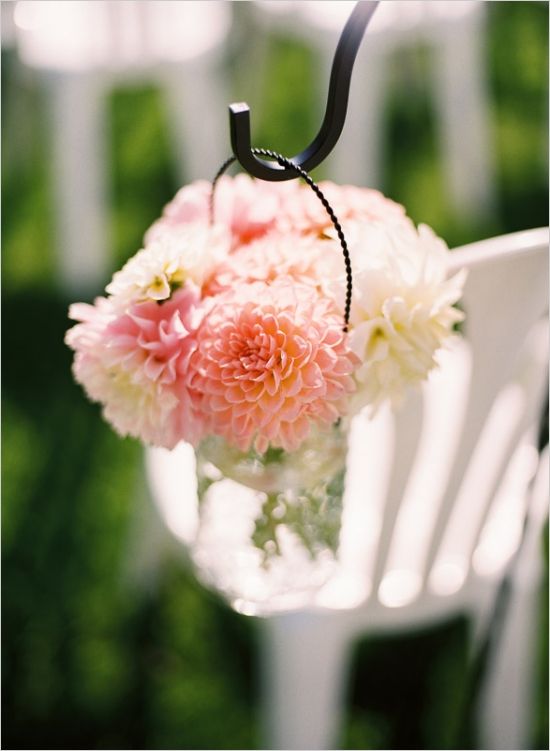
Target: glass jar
x: 269, y: 525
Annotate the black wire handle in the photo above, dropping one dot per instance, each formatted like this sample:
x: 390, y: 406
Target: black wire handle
x: 297, y: 170
x: 335, y: 113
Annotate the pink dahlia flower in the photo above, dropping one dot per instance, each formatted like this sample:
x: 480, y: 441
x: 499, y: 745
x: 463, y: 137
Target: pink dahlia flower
x: 303, y: 258
x: 305, y: 213
x: 252, y: 208
x: 248, y: 207
x: 272, y: 363
x: 134, y: 363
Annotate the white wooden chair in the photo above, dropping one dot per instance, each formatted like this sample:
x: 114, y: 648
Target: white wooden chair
x: 454, y: 34
x: 436, y: 499
x: 82, y: 49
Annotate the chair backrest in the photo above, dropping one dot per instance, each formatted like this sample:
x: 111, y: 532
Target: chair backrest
x: 435, y: 494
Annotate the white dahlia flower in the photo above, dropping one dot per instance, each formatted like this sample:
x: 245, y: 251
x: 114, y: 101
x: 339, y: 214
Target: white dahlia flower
x: 402, y: 308
x: 176, y: 255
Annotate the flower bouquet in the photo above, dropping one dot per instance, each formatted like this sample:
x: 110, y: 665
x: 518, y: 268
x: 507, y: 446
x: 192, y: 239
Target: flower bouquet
x: 237, y: 329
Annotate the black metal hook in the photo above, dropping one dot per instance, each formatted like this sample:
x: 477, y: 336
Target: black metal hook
x: 335, y: 113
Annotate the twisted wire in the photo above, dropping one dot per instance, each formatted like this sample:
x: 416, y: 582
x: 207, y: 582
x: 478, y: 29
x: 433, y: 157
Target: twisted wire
x: 219, y: 173
x: 284, y: 162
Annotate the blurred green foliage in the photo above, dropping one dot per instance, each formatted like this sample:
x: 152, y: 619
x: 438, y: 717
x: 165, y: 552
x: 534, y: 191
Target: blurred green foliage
x: 92, y: 658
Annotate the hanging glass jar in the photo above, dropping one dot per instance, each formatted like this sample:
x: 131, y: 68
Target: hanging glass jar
x: 269, y: 524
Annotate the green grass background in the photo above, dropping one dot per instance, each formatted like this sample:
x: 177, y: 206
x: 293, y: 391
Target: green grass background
x: 91, y: 660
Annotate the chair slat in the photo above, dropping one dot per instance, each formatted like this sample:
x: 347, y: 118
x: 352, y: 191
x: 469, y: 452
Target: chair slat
x: 371, y: 448
x: 444, y: 396
x: 533, y: 382
x: 503, y: 297
x: 408, y: 422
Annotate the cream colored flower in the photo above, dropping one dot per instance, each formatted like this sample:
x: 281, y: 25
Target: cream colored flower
x: 402, y: 309
x: 178, y: 254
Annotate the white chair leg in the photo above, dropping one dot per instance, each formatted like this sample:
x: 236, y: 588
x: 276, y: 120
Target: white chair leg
x: 197, y: 105
x: 79, y: 160
x: 463, y: 114
x: 506, y: 707
x: 305, y: 663
x: 505, y: 717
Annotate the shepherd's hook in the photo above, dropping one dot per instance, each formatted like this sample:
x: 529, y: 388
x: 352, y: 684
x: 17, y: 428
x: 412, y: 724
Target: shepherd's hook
x: 335, y: 113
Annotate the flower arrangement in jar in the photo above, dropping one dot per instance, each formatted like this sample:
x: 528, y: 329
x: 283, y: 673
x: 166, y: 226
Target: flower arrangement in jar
x: 234, y: 329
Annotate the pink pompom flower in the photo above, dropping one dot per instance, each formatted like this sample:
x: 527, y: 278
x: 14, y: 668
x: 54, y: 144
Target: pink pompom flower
x: 252, y: 208
x: 272, y: 362
x: 305, y: 213
x: 304, y: 258
x: 134, y: 363
x: 249, y: 208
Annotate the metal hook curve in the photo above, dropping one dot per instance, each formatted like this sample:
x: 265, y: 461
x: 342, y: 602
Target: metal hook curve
x: 335, y: 113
